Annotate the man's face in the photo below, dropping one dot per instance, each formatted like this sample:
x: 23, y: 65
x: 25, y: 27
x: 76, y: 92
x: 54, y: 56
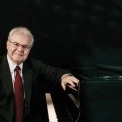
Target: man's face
x: 18, y: 47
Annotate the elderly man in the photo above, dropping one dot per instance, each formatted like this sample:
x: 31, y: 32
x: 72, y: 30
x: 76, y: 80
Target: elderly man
x: 21, y: 79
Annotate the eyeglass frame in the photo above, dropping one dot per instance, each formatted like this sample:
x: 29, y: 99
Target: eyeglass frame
x: 16, y: 44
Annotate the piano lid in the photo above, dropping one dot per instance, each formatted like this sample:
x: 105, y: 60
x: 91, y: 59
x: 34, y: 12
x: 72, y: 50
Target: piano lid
x: 101, y: 72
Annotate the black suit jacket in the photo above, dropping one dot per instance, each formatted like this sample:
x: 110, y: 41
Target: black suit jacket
x: 37, y: 76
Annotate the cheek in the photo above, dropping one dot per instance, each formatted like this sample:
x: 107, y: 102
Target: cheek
x: 26, y: 54
x: 9, y: 49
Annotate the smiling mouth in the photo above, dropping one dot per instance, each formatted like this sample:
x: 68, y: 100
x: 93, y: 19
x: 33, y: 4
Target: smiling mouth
x: 18, y: 54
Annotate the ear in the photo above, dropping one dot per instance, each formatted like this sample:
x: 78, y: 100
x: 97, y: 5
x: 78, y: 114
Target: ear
x: 7, y: 43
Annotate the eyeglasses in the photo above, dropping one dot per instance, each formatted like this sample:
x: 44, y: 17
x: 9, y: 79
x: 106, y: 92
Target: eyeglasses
x: 15, y: 44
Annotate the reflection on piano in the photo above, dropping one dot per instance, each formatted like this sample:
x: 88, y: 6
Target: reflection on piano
x: 50, y: 109
x: 101, y: 94
x: 100, y: 97
x: 63, y: 106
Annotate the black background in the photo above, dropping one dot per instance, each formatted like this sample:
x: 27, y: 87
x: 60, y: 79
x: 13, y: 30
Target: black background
x: 68, y: 33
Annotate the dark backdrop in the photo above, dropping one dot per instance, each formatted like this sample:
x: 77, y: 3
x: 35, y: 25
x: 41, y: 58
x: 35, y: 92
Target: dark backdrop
x: 68, y: 33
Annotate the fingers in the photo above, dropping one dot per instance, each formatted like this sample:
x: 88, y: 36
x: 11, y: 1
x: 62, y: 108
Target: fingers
x: 73, y: 81
x: 69, y: 81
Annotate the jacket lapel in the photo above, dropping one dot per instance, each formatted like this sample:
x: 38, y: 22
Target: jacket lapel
x: 6, y: 78
x: 6, y: 81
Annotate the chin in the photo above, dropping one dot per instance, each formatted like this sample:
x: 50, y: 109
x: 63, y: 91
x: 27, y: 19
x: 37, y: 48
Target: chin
x: 18, y: 61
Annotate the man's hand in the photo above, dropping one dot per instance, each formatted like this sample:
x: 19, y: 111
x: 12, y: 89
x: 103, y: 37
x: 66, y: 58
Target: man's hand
x: 69, y: 80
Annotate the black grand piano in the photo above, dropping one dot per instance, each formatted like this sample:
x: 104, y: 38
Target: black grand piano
x: 97, y: 99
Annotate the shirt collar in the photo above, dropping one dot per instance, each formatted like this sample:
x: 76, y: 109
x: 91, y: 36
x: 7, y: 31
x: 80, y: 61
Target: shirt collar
x: 13, y: 65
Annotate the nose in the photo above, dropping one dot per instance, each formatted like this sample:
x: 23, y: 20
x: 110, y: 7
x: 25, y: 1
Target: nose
x: 20, y: 48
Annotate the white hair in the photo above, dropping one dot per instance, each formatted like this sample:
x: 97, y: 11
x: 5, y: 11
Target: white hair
x: 23, y: 30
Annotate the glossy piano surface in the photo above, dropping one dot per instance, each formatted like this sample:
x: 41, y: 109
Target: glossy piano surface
x: 66, y: 105
x: 101, y: 94
x: 100, y: 97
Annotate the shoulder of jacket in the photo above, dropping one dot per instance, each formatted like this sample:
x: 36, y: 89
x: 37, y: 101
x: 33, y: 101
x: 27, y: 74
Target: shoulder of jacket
x: 31, y: 60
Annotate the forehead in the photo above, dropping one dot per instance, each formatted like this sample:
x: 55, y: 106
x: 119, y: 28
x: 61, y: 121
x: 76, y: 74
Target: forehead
x: 20, y: 38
